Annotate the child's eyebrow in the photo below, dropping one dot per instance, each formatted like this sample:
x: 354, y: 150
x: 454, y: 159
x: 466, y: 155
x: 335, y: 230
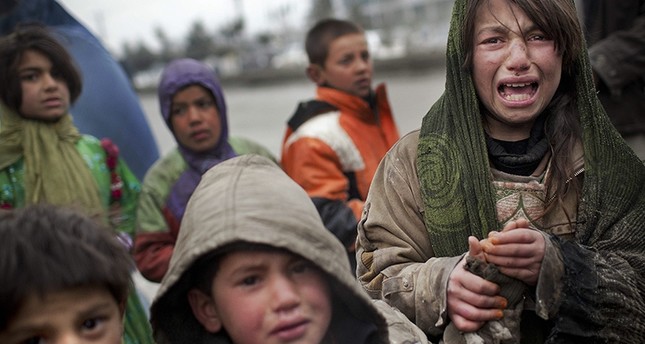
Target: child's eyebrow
x: 502, y: 29
x: 493, y: 28
x: 250, y: 267
x: 93, y: 309
x: 24, y: 331
x: 29, y: 69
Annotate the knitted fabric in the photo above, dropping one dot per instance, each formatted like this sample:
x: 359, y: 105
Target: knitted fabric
x: 452, y: 158
x: 609, y: 248
x: 55, y: 172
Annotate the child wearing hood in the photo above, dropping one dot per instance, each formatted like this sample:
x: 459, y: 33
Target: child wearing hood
x: 253, y: 263
x: 192, y: 104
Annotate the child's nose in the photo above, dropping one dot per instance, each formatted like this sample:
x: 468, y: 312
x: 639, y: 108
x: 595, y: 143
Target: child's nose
x: 49, y: 80
x: 361, y: 64
x: 70, y: 338
x: 285, y: 294
x: 518, y: 57
x: 193, y: 113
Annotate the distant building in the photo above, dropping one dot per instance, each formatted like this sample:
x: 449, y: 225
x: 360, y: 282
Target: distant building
x: 417, y: 24
x: 395, y: 29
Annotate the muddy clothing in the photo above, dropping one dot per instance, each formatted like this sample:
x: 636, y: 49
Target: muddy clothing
x: 437, y: 187
x: 396, y: 261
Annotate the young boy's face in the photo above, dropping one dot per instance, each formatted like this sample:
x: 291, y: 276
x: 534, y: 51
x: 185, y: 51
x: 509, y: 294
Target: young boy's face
x: 348, y: 66
x: 266, y: 297
x: 79, y: 315
x: 195, y: 119
x: 45, y: 94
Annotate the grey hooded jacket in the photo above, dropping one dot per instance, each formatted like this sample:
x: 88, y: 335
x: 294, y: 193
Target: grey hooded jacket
x: 250, y: 199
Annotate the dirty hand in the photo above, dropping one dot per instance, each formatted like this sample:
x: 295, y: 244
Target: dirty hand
x: 472, y: 300
x: 517, y: 250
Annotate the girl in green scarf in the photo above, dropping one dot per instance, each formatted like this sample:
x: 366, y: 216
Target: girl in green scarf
x: 517, y: 202
x: 43, y: 157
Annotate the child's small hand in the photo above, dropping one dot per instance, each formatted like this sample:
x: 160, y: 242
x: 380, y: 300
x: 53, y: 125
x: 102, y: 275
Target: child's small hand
x: 519, y: 223
x: 472, y: 300
x: 517, y: 250
x: 487, y: 244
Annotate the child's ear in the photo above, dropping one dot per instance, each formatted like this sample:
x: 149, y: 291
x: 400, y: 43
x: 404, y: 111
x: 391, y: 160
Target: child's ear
x: 314, y: 73
x: 204, y: 310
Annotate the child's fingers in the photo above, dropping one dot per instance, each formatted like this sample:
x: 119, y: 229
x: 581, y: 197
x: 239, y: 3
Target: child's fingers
x: 519, y: 223
x: 475, y: 248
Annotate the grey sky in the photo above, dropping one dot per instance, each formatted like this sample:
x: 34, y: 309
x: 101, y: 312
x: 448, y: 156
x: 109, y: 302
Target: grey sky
x: 116, y: 21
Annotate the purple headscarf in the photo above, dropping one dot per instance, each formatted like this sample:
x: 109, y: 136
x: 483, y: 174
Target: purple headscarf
x: 177, y: 75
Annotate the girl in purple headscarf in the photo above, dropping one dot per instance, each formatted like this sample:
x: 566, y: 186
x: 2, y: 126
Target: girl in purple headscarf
x: 192, y: 105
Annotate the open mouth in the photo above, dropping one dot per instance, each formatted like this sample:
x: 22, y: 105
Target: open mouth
x: 518, y: 91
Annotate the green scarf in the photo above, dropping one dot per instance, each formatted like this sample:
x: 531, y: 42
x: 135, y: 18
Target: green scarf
x: 452, y: 158
x: 604, y: 283
x: 54, y: 170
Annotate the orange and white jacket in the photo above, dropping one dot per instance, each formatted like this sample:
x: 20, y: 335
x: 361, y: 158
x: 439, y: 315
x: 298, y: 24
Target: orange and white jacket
x: 332, y: 147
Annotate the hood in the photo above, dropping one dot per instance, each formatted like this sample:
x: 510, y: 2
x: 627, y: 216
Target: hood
x: 250, y: 199
x: 184, y: 72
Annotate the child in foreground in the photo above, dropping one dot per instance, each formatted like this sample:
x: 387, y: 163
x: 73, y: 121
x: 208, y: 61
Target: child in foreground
x: 64, y: 277
x: 253, y: 263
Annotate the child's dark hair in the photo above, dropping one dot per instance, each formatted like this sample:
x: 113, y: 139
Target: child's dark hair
x: 205, y: 268
x: 322, y: 34
x: 34, y: 37
x: 47, y: 249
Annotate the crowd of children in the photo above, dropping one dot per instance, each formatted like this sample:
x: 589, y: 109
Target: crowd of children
x: 511, y: 216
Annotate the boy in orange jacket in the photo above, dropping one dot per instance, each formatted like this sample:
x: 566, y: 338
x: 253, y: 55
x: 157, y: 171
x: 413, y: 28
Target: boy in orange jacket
x: 334, y: 143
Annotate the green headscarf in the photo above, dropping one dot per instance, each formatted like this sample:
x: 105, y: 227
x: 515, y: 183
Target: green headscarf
x: 55, y: 172
x: 603, y: 288
x: 453, y: 162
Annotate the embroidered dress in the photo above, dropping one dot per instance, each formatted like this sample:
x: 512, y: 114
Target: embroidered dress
x: 12, y: 194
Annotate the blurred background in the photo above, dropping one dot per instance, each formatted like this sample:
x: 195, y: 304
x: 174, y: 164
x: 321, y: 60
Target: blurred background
x: 257, y: 40
x: 257, y: 47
